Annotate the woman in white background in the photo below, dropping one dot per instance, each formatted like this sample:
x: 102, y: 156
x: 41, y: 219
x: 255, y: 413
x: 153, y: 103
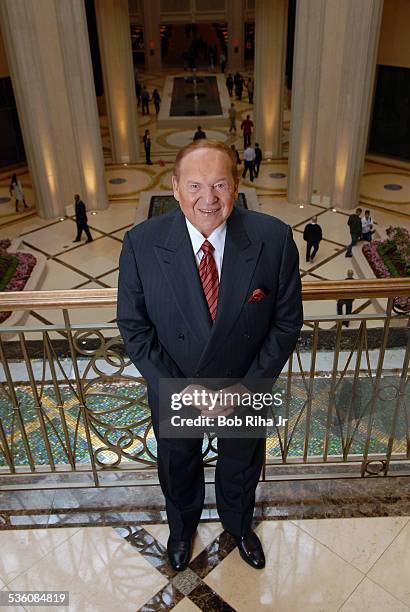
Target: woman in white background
x: 16, y: 191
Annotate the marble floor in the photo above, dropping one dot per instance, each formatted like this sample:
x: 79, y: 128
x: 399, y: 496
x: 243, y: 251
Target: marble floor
x: 349, y: 564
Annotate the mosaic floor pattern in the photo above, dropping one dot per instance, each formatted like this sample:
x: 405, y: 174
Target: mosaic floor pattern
x: 121, y: 432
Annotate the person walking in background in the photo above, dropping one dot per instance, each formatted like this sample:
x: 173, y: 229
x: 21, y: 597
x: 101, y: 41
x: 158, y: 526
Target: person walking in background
x: 258, y: 159
x: 211, y: 57
x: 16, y: 192
x: 250, y: 88
x: 232, y: 118
x: 312, y: 234
x: 157, y: 100
x: 222, y: 62
x: 249, y: 159
x: 346, y: 302
x: 138, y: 91
x: 238, y: 86
x: 355, y: 224
x: 229, y: 84
x: 81, y: 219
x: 146, y: 139
x: 247, y: 126
x: 145, y: 100
x: 367, y: 226
x: 199, y: 133
x: 236, y: 153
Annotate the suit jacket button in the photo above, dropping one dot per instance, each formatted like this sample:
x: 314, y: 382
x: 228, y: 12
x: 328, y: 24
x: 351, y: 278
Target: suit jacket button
x: 197, y: 374
x: 181, y: 337
x: 247, y: 336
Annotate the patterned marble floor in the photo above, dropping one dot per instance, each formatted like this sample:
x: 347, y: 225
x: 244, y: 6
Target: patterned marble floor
x: 111, y: 404
x: 348, y: 564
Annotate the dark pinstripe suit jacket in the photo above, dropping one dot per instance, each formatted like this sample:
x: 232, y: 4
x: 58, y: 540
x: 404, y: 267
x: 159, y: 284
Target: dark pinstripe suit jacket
x: 163, y: 316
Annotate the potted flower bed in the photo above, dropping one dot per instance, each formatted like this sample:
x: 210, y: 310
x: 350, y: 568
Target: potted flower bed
x: 15, y: 271
x: 390, y: 258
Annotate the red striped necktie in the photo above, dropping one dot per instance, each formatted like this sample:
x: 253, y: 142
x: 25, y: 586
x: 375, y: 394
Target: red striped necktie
x: 209, y: 277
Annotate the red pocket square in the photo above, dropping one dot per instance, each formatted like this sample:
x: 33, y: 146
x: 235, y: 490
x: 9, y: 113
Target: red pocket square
x: 257, y: 295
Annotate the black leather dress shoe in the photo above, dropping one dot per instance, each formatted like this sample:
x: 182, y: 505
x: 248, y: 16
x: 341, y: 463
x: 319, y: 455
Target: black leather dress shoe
x: 179, y: 553
x: 251, y: 550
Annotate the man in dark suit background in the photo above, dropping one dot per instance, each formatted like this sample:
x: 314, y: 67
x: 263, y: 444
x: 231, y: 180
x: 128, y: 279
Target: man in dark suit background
x: 199, y: 134
x: 81, y: 219
x: 312, y: 234
x: 258, y: 159
x: 209, y: 291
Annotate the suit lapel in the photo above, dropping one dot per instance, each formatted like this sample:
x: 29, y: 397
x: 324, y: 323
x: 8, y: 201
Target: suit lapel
x: 239, y: 262
x: 178, y: 264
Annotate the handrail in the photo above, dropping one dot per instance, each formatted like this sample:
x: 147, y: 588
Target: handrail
x: 95, y: 298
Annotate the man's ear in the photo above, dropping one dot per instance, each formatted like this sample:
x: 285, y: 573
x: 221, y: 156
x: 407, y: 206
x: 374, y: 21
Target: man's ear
x: 175, y: 187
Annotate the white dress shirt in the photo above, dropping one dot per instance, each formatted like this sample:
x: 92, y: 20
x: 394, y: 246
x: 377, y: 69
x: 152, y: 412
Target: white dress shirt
x: 367, y: 225
x: 249, y: 154
x: 217, y: 239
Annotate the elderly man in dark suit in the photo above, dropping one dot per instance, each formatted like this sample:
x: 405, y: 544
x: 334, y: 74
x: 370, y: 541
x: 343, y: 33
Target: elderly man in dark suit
x: 210, y: 291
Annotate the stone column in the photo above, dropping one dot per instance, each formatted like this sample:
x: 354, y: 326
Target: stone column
x: 333, y: 77
x: 270, y: 56
x: 235, y: 10
x: 114, y: 37
x: 151, y: 11
x: 49, y: 58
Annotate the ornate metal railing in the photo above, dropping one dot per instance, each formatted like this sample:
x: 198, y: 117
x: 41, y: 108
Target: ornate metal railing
x: 74, y: 412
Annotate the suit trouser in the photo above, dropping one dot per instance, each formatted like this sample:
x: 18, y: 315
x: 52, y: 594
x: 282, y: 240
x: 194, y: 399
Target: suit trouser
x: 309, y: 247
x: 248, y: 166
x: 347, y: 303
x: 83, y: 227
x: 355, y: 238
x: 147, y: 155
x: 181, y: 476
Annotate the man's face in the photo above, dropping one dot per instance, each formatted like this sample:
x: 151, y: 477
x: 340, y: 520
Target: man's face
x: 205, y: 190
